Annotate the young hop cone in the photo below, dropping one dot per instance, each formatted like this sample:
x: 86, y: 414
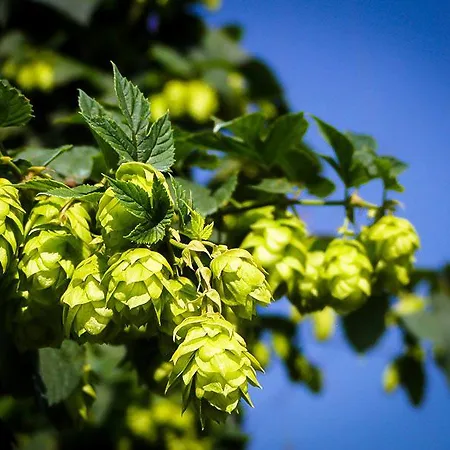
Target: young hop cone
x: 312, y: 290
x: 86, y: 316
x: 11, y: 224
x: 137, y: 281
x: 49, y: 258
x: 324, y: 323
x: 240, y: 282
x: 347, y: 271
x: 278, y: 245
x: 113, y: 218
x: 202, y: 100
x: 51, y: 210
x: 213, y: 365
x: 391, y: 243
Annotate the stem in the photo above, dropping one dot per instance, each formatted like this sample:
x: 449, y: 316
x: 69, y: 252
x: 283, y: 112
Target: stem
x: 58, y: 153
x: 7, y: 160
x: 197, y: 261
x: 177, y: 244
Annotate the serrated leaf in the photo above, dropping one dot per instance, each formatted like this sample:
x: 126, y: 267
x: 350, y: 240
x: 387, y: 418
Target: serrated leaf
x: 182, y: 201
x: 197, y: 229
x: 342, y: 146
x: 89, y: 107
x: 61, y: 370
x: 285, y: 133
x: 202, y: 199
x: 132, y: 196
x: 158, y: 148
x: 389, y: 168
x: 41, y: 184
x: 83, y: 192
x: 224, y: 193
x: 248, y: 127
x: 134, y: 106
x: 365, y: 326
x: 15, y: 108
x: 275, y: 186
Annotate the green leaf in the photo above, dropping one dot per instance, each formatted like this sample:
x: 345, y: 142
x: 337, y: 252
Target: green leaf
x: 389, y: 168
x: 202, y: 199
x: 15, y: 108
x: 79, y: 11
x: 83, y: 192
x: 173, y: 62
x: 134, y: 106
x: 321, y: 187
x: 113, y: 135
x: 41, y: 185
x: 224, y: 193
x: 248, y: 127
x: 412, y: 378
x: 365, y: 326
x: 182, y: 201
x: 197, y: 229
x: 158, y: 147
x: 285, y: 133
x: 158, y: 217
x: 61, y: 370
x: 132, y: 196
x: 342, y: 146
x: 275, y: 186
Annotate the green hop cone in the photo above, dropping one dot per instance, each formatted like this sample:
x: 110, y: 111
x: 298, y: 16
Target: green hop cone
x: 86, y: 316
x: 137, y: 283
x: 113, y: 218
x: 391, y: 243
x: 347, y: 271
x: 213, y: 364
x: 53, y: 210
x: 240, y: 282
x: 11, y: 224
x: 278, y: 245
x: 49, y: 258
x: 183, y: 301
x: 312, y: 290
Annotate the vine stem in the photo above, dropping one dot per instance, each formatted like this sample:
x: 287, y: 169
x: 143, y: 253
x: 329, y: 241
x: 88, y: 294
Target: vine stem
x: 9, y: 162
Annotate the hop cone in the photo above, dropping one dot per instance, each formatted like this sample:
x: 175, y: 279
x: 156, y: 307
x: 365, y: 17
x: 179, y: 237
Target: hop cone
x: 86, y: 316
x: 11, y: 224
x: 278, y: 245
x: 213, y: 363
x: 137, y: 284
x: 50, y: 210
x: 49, y: 258
x: 312, y: 293
x: 324, y: 323
x: 240, y: 282
x: 391, y: 243
x: 114, y: 219
x: 183, y: 301
x: 347, y: 271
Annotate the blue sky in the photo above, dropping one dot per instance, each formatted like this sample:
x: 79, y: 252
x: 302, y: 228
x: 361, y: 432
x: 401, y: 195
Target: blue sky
x: 383, y: 68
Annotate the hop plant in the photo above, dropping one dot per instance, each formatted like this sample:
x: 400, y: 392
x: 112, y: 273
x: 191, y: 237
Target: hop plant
x: 86, y: 316
x: 11, y: 224
x: 391, y: 243
x: 240, y: 282
x: 49, y: 258
x: 202, y: 100
x: 114, y: 219
x: 53, y: 210
x: 213, y: 364
x: 278, y: 245
x: 312, y: 291
x: 183, y: 301
x: 324, y: 323
x: 137, y: 283
x: 347, y: 271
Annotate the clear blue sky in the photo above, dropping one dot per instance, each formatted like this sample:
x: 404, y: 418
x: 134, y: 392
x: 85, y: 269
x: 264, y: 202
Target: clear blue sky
x: 380, y: 67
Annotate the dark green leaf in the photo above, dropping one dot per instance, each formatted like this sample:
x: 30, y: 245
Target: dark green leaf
x: 275, y: 186
x: 224, y: 193
x: 83, y: 192
x: 134, y: 106
x: 389, y: 168
x: 412, y: 378
x: 132, y: 196
x: 89, y: 107
x: 173, y: 62
x: 158, y: 148
x: 321, y: 187
x: 182, y: 200
x: 41, y: 184
x: 342, y: 147
x: 248, y: 128
x: 79, y: 11
x: 61, y: 370
x: 15, y: 108
x: 202, y: 199
x: 365, y: 326
x: 284, y: 134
